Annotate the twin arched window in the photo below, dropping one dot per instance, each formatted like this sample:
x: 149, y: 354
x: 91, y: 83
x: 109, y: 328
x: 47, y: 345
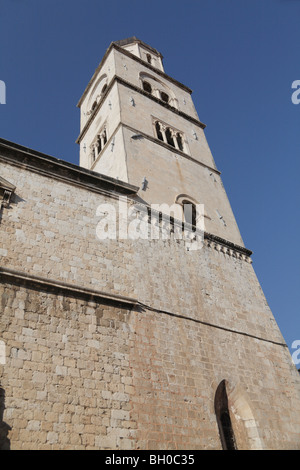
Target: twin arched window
x: 157, y: 89
x: 169, y: 135
x: 164, y: 97
x: 98, y: 98
x: 99, y: 144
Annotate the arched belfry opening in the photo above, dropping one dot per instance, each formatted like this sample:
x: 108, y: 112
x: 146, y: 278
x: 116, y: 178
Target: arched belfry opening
x: 226, y: 432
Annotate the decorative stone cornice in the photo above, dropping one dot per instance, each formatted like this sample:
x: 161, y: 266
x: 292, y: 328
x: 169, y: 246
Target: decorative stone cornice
x: 134, y: 40
x: 158, y: 100
x: 173, y: 150
x: 89, y: 180
x: 221, y: 245
x: 46, y: 165
x: 226, y: 247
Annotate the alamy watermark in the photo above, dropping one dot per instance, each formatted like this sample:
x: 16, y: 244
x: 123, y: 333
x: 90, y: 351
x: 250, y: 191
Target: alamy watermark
x: 2, y: 92
x: 296, y: 94
x: 127, y: 221
x: 296, y: 353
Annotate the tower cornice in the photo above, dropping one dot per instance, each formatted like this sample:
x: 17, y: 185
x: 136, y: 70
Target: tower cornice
x: 49, y: 166
x: 133, y: 40
x: 173, y: 150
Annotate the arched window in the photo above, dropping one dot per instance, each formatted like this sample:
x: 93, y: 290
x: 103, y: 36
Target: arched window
x: 158, y: 131
x: 96, y: 93
x: 169, y: 137
x: 104, y: 137
x: 149, y: 58
x: 147, y: 87
x: 99, y: 144
x: 179, y: 141
x: 159, y: 89
x: 223, y: 418
x: 164, y: 97
x: 190, y: 212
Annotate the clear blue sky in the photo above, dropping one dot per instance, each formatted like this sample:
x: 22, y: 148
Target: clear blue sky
x: 239, y: 56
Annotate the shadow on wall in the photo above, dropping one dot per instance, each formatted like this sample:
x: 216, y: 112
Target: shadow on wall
x: 6, y: 205
x: 4, y: 428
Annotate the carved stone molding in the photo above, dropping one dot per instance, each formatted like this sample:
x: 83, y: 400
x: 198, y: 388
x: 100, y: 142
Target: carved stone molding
x: 224, y: 246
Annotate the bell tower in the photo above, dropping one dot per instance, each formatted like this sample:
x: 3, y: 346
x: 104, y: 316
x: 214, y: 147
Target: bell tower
x: 134, y: 342
x: 139, y: 125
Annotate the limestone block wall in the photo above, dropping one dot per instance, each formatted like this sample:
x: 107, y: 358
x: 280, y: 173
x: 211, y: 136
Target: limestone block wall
x: 84, y: 374
x: 67, y: 379
x: 177, y: 367
x: 50, y: 230
x: 123, y: 343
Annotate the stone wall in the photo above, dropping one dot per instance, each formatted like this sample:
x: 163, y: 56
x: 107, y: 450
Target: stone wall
x: 67, y: 379
x: 83, y: 373
x: 123, y: 343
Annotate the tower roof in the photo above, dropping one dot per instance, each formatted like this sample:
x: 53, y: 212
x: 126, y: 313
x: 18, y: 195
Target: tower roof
x: 134, y: 39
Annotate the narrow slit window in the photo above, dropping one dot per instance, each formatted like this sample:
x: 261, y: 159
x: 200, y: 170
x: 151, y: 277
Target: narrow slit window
x: 170, y: 136
x: 223, y: 418
x: 227, y: 430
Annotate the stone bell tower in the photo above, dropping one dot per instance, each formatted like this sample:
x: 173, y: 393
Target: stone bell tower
x: 134, y: 343
x: 139, y: 125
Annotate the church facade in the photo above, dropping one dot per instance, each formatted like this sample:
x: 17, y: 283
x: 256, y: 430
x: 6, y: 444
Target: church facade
x: 124, y: 326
